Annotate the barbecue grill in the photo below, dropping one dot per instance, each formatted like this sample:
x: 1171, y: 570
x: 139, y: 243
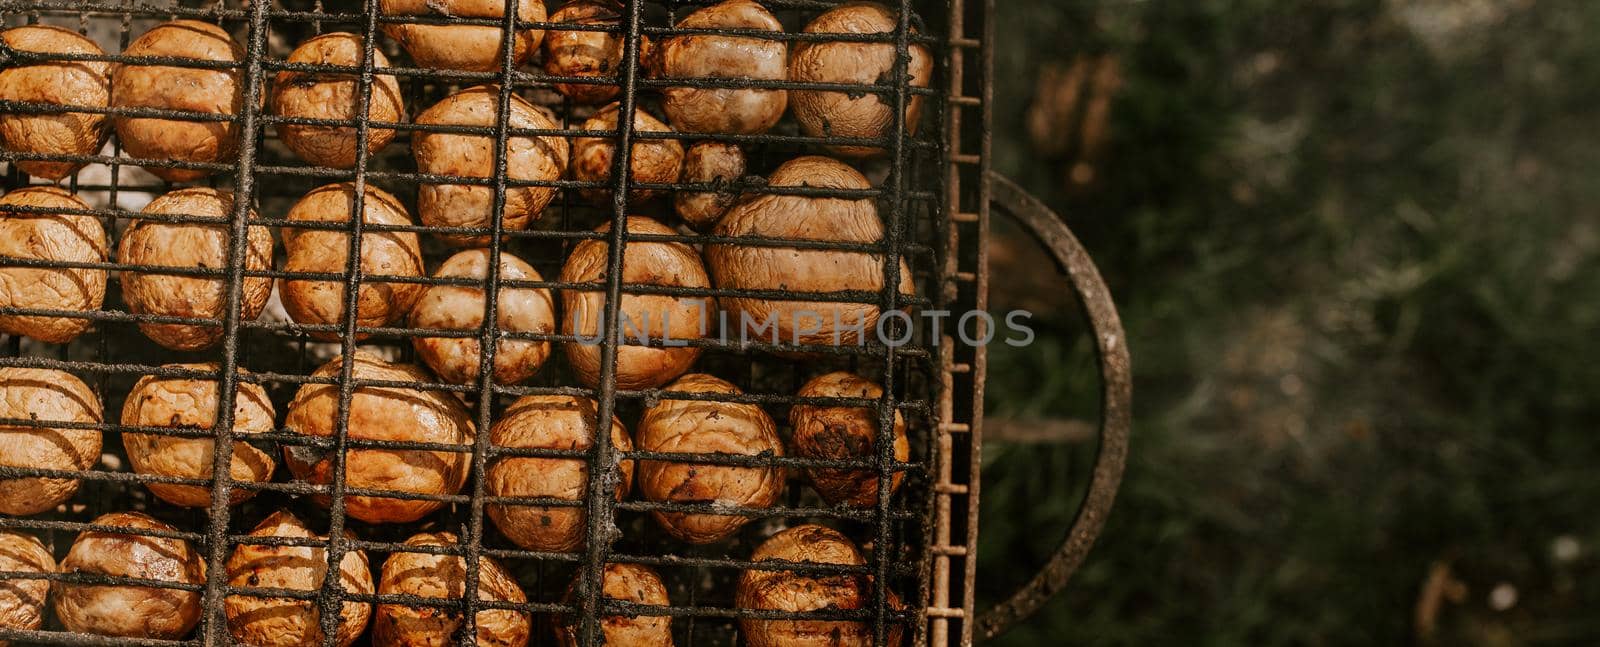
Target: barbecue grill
x: 934, y: 191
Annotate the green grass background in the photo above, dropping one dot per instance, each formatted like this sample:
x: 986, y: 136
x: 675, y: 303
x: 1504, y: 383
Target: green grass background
x: 1356, y: 245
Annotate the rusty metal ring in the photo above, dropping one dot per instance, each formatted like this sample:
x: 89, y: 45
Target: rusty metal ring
x: 1116, y: 394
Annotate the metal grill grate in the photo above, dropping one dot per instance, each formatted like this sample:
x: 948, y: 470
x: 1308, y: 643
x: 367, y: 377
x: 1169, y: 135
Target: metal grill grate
x: 930, y: 189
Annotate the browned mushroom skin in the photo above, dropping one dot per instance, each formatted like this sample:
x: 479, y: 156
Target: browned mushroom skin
x: 50, y: 237
x: 445, y: 577
x: 185, y: 245
x: 653, y: 161
x: 538, y: 158
x: 45, y: 395
x: 382, y: 413
x: 825, y: 113
x: 288, y: 622
x: 472, y: 48
x: 191, y: 403
x: 460, y: 307
x: 793, y: 592
x: 709, y: 162
x: 746, y: 267
x: 706, y: 426
x: 633, y: 583
x: 595, y: 54
x: 548, y: 422
x: 334, y: 96
x: 669, y: 319
x: 130, y: 610
x: 164, y: 87
x: 22, y: 600
x: 724, y: 110
x: 60, y: 83
x: 844, y: 433
x: 379, y: 302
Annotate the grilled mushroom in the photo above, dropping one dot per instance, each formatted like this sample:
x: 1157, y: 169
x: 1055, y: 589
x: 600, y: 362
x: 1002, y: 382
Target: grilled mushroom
x: 59, y: 83
x: 709, y: 162
x: 707, y: 57
x: 160, y: 239
x: 633, y: 583
x: 52, y: 238
x: 45, y: 395
x: 22, y: 600
x: 445, y: 577
x: 844, y: 433
x: 191, y: 403
x: 795, y: 592
x: 459, y: 307
x: 131, y: 610
x: 473, y: 48
x: 548, y: 422
x: 309, y: 95
x: 832, y: 113
x: 388, y: 253
x: 653, y: 161
x: 205, y: 90
x: 287, y: 622
x: 595, y: 54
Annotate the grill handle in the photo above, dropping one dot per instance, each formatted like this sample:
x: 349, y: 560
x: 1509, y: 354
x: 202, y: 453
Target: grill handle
x: 1116, y: 393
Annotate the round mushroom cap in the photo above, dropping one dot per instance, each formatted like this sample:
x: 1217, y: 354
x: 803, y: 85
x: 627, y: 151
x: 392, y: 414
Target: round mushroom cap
x: 287, y: 622
x: 845, y: 433
x: 334, y: 96
x: 191, y: 403
x: 22, y: 600
x: 445, y: 577
x: 380, y: 301
x: 794, y: 217
x: 45, y: 395
x: 549, y: 422
x: 707, y: 427
x: 653, y: 161
x: 153, y: 240
x: 793, y: 592
x: 60, y: 83
x: 709, y: 162
x: 382, y: 413
x: 595, y: 54
x: 659, y: 317
x: 724, y: 110
x: 165, y: 87
x: 51, y: 237
x: 460, y: 307
x: 830, y: 113
x: 130, y: 610
x: 532, y: 158
x: 634, y: 583
x: 472, y: 48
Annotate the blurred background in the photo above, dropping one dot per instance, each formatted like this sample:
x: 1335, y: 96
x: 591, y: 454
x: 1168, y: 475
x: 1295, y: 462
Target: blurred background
x: 1356, y: 246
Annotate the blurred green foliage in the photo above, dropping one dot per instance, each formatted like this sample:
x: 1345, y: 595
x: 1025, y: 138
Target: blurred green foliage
x: 1356, y: 245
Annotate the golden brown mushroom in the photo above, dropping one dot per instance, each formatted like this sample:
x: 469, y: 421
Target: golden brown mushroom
x: 459, y: 307
x: 59, y: 83
x: 709, y: 162
x: 445, y: 577
x: 386, y: 253
x: 131, y: 610
x: 473, y: 48
x: 538, y: 158
x: 634, y: 583
x: 317, y: 95
x: 705, y: 57
x: 382, y: 413
x: 156, y: 241
x: 653, y: 161
x: 287, y: 622
x: 191, y: 403
x: 50, y: 237
x: 829, y: 113
x: 707, y: 426
x: 793, y: 592
x: 22, y: 600
x: 548, y: 422
x: 212, y: 91
x: 844, y: 433
x: 795, y: 217
x: 672, y: 320
x: 45, y: 395
x: 595, y: 54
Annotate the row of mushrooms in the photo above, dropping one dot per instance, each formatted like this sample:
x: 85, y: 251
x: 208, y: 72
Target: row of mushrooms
x: 306, y: 100
x: 264, y: 561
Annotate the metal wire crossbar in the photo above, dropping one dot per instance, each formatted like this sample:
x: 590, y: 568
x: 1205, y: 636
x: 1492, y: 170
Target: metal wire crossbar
x: 922, y: 186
